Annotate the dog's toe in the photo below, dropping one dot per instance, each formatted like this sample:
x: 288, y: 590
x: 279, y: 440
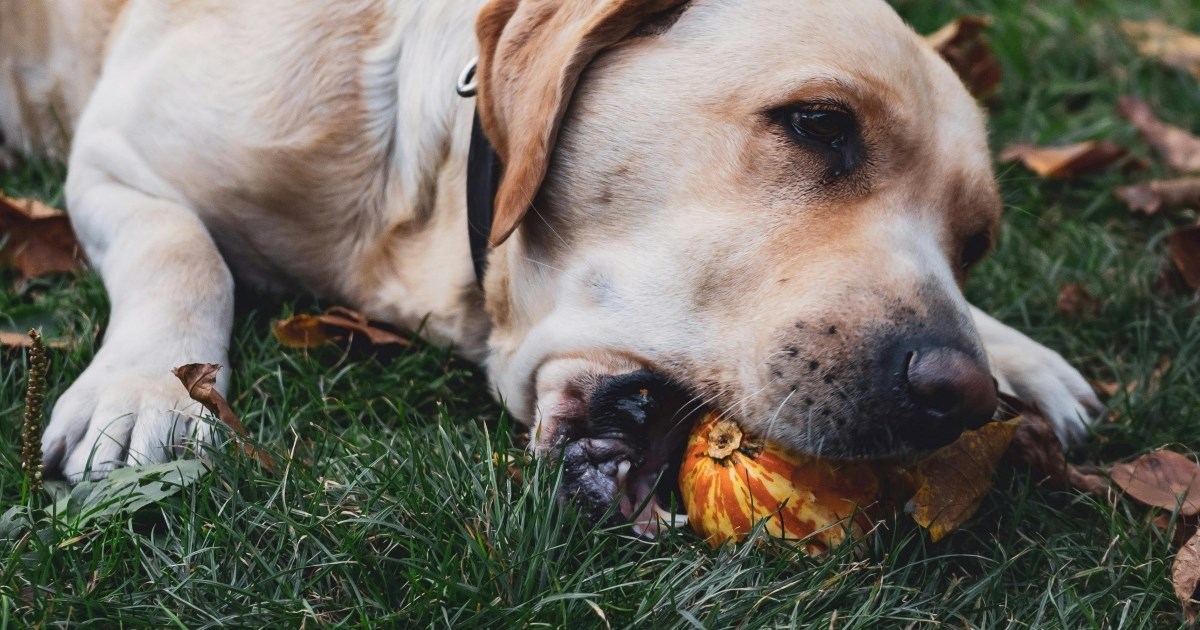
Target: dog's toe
x: 1042, y: 378
x: 111, y: 419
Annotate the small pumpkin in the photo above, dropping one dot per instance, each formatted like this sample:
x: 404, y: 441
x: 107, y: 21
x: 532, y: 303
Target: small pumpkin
x: 730, y: 481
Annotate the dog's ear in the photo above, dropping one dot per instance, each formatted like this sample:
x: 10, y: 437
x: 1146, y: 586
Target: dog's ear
x: 531, y: 54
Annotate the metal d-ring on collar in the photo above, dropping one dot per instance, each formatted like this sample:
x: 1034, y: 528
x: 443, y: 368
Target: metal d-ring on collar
x: 483, y: 178
x: 468, y: 85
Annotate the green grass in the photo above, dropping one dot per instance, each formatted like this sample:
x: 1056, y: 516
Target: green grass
x: 392, y: 509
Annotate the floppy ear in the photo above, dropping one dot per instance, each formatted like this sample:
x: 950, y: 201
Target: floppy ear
x: 531, y: 54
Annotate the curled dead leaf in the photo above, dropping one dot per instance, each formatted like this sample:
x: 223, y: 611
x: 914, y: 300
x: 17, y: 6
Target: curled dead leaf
x: 1074, y: 300
x: 1185, y: 577
x: 1037, y: 447
x: 200, y: 380
x: 952, y: 482
x: 1153, y: 196
x: 1178, y: 528
x: 1184, y: 245
x: 13, y: 339
x: 1171, y: 45
x: 335, y: 325
x: 963, y: 43
x: 1065, y: 162
x: 1091, y: 480
x: 36, y: 239
x: 1178, y: 148
x: 1163, y: 479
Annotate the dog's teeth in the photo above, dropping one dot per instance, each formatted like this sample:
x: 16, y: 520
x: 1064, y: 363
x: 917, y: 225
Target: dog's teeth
x: 623, y: 473
x: 674, y: 520
x: 649, y: 531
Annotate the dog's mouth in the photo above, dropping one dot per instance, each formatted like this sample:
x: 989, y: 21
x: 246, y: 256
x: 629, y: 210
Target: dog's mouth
x: 622, y: 464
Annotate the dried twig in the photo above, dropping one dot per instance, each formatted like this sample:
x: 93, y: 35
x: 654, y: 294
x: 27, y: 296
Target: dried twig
x: 35, y: 403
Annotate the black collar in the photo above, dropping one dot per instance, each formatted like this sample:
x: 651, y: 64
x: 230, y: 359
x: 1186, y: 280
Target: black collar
x: 483, y: 180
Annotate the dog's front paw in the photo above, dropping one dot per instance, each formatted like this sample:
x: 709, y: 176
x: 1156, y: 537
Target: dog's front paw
x: 1041, y: 377
x: 116, y: 417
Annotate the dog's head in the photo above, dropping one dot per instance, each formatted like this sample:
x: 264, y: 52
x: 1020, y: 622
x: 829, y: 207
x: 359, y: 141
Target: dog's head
x: 773, y: 204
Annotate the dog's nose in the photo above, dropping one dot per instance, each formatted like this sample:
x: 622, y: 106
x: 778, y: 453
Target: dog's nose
x: 954, y: 391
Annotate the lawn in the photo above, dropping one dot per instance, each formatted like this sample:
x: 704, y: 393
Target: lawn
x: 394, y: 504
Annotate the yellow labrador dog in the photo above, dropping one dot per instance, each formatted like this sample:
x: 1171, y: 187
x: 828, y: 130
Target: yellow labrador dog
x: 770, y: 205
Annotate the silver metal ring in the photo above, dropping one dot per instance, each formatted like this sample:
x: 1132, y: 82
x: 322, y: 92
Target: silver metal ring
x: 468, y: 84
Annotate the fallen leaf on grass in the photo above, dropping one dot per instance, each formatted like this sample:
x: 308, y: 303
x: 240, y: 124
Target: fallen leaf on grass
x: 1180, y: 530
x: 1091, y: 480
x: 1074, y: 300
x: 13, y: 339
x: 1155, y: 39
x: 200, y: 380
x: 1184, y: 245
x: 1065, y: 162
x: 1171, y: 194
x: 1163, y: 479
x: 952, y: 482
x: 1180, y: 149
x: 336, y: 324
x: 36, y: 239
x: 1037, y: 447
x: 1185, y: 577
x: 963, y: 43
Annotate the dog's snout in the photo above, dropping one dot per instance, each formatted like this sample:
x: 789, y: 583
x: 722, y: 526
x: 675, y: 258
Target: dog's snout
x: 951, y: 389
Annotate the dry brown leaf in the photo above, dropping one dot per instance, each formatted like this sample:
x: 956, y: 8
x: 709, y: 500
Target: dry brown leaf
x: 1037, y: 447
x: 1155, y: 39
x: 37, y: 239
x: 1180, y: 529
x: 200, y: 380
x: 336, y: 324
x: 1171, y: 194
x: 1184, y: 245
x: 952, y: 482
x: 1185, y: 577
x: 1163, y: 479
x: 1180, y: 149
x: 963, y: 43
x: 1074, y: 300
x: 1089, y: 480
x: 1064, y: 162
x: 1152, y: 386
x: 10, y: 339
x: 1108, y: 388
x: 300, y: 331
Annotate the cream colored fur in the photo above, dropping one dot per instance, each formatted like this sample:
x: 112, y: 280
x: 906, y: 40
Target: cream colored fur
x: 320, y: 146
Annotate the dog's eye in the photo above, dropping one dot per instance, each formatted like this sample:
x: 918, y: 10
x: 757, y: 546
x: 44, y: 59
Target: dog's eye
x: 975, y: 249
x: 828, y: 130
x: 827, y: 127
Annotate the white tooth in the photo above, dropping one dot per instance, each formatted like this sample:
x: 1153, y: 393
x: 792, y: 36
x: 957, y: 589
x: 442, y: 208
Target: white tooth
x: 623, y: 473
x: 674, y: 520
x: 645, y: 530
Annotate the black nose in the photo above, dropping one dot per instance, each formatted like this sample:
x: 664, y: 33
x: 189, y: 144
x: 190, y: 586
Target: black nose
x: 952, y: 390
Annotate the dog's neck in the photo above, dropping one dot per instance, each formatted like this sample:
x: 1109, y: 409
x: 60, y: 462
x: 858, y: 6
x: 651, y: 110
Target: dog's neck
x: 417, y: 271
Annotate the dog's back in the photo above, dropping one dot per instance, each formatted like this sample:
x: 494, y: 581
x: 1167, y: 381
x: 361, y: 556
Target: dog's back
x: 51, y: 53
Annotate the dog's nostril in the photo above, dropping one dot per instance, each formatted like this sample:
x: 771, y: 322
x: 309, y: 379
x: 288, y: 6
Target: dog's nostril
x: 953, y: 385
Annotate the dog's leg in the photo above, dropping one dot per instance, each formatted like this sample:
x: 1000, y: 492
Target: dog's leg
x: 1040, y: 376
x: 172, y: 304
